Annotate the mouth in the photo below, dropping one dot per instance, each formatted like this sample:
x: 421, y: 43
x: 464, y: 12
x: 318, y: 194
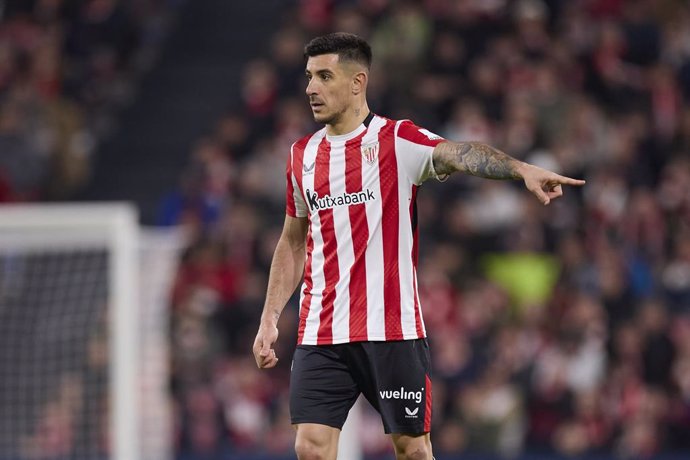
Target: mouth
x: 316, y: 105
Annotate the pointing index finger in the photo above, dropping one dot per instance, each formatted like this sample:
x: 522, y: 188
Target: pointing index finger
x: 570, y: 181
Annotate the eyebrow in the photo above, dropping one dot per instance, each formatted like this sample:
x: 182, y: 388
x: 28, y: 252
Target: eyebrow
x: 320, y: 71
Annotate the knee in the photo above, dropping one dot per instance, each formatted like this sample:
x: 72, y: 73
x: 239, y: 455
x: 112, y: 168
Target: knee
x: 417, y: 453
x: 414, y: 451
x: 308, y: 449
x: 316, y: 442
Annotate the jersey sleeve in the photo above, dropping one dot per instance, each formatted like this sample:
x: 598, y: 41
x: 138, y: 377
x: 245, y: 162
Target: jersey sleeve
x: 415, y: 147
x: 294, y: 202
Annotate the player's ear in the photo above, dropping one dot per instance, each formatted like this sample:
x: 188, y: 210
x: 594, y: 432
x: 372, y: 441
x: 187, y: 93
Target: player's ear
x: 359, y: 82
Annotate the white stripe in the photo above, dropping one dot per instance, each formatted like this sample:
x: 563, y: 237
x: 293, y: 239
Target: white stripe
x: 376, y: 326
x: 317, y: 258
x: 421, y: 316
x: 409, y: 329
x: 405, y: 242
x: 300, y: 205
x: 346, y: 255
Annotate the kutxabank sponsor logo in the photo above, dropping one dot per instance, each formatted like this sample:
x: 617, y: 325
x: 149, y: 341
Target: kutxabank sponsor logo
x: 317, y: 203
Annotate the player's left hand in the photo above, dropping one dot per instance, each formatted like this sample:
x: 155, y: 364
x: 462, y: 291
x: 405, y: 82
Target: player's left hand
x: 546, y: 185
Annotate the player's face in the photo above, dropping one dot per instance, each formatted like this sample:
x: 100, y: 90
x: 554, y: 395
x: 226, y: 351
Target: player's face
x: 329, y: 88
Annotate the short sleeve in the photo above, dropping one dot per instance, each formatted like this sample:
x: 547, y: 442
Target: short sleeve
x: 294, y: 202
x: 415, y: 147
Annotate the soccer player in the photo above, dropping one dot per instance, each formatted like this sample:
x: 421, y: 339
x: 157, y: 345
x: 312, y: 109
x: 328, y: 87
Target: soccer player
x: 351, y: 229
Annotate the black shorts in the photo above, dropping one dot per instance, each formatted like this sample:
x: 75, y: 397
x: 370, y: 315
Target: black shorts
x: 395, y: 377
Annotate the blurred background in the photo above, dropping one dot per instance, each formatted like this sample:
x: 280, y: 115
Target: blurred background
x: 559, y: 331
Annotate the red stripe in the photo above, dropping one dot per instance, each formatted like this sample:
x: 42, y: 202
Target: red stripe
x: 330, y: 245
x: 360, y: 235
x: 427, y: 409
x: 388, y: 177
x: 411, y: 132
x: 415, y: 258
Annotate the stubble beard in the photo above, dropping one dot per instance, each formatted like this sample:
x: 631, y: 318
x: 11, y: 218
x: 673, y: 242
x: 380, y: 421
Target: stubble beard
x: 329, y: 119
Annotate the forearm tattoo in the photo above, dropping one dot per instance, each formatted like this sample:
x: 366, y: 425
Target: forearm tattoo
x: 475, y: 158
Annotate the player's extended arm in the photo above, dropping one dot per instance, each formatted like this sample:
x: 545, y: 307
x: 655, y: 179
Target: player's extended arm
x: 479, y: 159
x: 286, y: 273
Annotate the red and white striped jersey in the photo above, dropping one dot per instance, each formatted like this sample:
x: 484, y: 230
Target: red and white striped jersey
x: 358, y: 191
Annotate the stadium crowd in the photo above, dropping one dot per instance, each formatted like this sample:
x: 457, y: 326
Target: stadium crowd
x: 66, y: 68
x: 562, y: 329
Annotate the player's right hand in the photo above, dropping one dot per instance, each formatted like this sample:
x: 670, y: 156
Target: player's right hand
x: 264, y: 354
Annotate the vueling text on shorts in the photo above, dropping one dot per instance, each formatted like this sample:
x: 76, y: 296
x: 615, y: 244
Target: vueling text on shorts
x: 402, y: 394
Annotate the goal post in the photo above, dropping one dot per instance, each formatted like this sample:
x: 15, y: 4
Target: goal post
x: 71, y: 374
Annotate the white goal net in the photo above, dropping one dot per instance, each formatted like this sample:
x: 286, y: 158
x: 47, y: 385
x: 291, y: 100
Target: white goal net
x: 83, y: 354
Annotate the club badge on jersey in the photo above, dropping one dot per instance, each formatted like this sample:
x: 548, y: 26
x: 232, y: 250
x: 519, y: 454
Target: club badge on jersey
x: 370, y: 152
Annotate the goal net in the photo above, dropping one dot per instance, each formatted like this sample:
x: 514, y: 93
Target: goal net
x: 83, y: 354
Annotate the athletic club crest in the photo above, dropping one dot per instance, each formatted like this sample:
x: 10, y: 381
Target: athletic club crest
x: 370, y: 152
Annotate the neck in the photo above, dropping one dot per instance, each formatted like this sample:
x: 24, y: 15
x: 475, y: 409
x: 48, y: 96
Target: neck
x: 351, y: 119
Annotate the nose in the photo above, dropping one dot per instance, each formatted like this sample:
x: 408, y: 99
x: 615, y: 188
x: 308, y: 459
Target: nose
x: 311, y: 87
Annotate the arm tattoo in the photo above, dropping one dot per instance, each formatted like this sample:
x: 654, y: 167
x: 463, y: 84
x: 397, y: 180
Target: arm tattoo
x: 475, y: 158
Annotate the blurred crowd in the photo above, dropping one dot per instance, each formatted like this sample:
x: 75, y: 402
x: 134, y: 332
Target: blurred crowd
x: 553, y: 329
x: 66, y: 68
x: 559, y: 329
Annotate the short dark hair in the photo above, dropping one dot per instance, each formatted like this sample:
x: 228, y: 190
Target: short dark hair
x: 348, y: 47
